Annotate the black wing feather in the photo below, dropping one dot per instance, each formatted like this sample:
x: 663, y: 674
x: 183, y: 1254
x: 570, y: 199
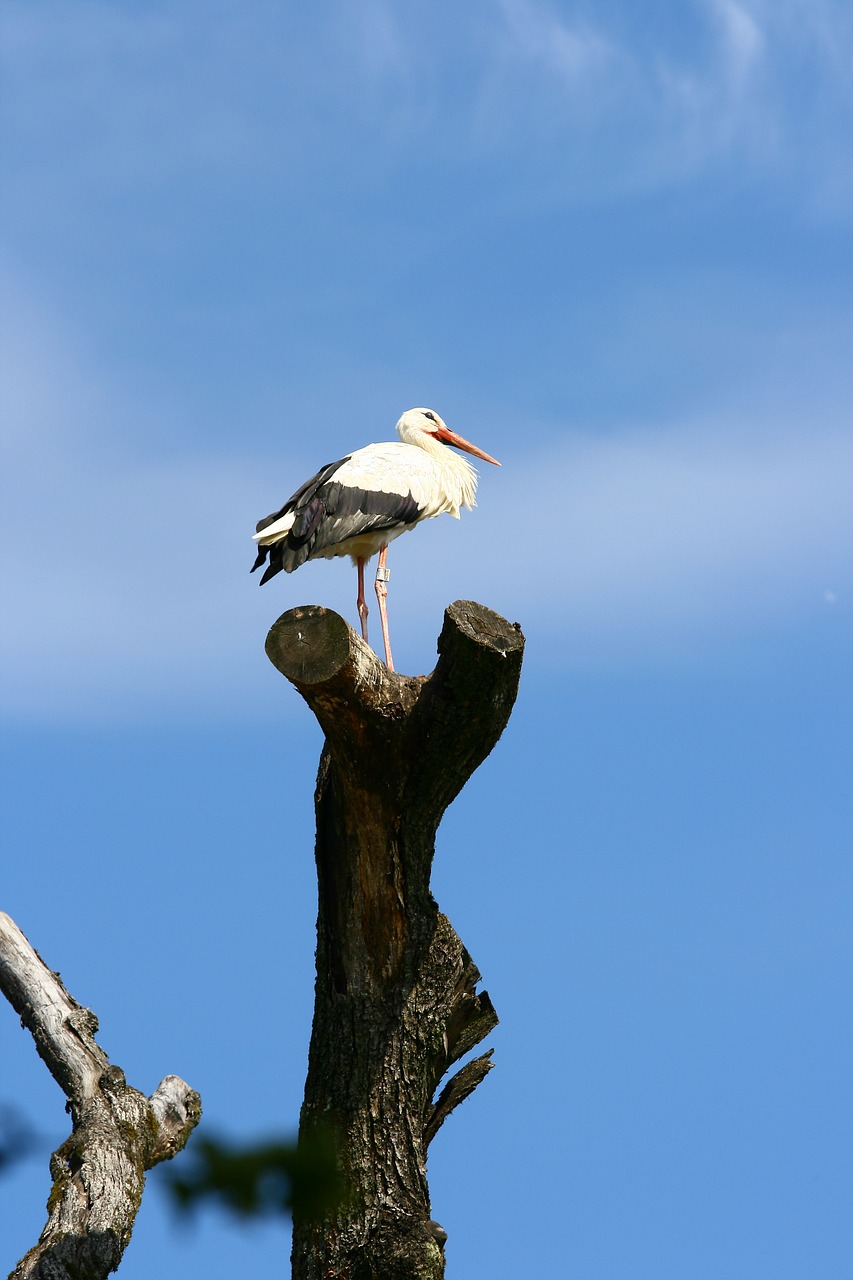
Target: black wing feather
x: 309, y: 511
x: 352, y: 512
x: 303, y: 496
x: 327, y: 513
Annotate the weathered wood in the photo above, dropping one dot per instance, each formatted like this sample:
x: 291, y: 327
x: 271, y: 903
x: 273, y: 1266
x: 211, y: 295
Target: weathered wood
x: 99, y: 1172
x: 396, y: 1001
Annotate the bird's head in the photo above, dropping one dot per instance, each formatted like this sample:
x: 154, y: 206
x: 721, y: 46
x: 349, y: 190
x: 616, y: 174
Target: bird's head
x: 417, y: 423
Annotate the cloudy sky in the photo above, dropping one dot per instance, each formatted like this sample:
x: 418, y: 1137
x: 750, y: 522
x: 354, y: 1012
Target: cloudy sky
x: 610, y: 244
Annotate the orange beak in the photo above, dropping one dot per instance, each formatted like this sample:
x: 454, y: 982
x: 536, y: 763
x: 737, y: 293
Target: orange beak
x: 450, y: 437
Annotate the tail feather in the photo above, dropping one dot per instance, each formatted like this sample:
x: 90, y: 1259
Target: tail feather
x: 275, y: 565
x: 303, y: 511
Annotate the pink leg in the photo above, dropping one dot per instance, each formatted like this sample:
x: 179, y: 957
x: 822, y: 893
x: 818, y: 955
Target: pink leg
x: 362, y: 603
x: 382, y: 576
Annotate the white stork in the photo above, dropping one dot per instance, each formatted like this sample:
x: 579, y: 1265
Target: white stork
x: 356, y: 506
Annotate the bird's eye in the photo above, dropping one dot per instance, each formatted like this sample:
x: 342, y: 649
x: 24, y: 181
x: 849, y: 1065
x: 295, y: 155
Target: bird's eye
x: 429, y: 414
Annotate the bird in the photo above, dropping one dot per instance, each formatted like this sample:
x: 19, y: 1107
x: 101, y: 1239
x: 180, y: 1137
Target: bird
x: 359, y: 504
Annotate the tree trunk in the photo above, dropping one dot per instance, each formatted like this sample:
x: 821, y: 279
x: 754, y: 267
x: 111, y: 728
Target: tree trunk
x: 396, y: 1002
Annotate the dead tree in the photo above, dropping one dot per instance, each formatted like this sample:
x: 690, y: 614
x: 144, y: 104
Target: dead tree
x: 117, y: 1133
x: 396, y: 1003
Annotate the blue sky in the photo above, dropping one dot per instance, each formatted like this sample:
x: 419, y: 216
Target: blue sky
x: 610, y: 244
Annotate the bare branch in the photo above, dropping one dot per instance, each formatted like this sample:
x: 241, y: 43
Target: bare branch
x: 62, y: 1029
x: 177, y: 1110
x: 99, y: 1171
x: 457, y: 1089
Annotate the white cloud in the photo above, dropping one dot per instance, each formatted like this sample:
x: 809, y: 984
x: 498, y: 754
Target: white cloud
x: 654, y: 546
x: 127, y: 592
x: 126, y: 589
x: 536, y: 33
x: 743, y: 39
x: 136, y: 97
x: 759, y: 83
x: 648, y: 541
x: 381, y: 47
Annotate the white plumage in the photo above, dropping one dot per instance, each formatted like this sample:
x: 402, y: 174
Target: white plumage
x: 358, y: 505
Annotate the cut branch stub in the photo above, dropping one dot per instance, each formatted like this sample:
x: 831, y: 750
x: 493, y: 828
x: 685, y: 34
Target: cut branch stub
x: 312, y: 645
x: 466, y: 703
x: 412, y: 738
x: 396, y: 999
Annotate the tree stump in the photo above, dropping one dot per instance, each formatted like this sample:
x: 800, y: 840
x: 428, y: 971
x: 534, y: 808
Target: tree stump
x: 396, y: 1003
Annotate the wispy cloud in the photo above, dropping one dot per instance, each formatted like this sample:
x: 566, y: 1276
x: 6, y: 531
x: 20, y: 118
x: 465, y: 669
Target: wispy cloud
x: 126, y: 583
x: 380, y: 45
x: 754, y: 80
x: 650, y: 541
x: 537, y: 33
x: 135, y: 600
x: 669, y: 112
x: 743, y: 40
x: 126, y: 578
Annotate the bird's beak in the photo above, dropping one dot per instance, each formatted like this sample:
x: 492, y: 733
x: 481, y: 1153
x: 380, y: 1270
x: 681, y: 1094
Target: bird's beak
x: 450, y: 437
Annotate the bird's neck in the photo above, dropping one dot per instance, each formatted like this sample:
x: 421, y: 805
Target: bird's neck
x: 453, y: 464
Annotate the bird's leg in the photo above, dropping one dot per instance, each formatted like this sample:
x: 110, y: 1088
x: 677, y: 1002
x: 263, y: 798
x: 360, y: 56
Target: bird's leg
x: 362, y: 603
x: 382, y: 576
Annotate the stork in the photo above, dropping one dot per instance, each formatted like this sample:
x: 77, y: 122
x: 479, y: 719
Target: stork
x: 358, y: 505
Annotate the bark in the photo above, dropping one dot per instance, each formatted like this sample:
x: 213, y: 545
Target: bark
x: 117, y: 1133
x: 396, y: 1000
